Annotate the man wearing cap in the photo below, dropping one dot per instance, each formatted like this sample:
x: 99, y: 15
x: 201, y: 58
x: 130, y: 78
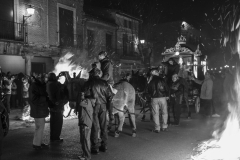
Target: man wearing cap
x: 158, y: 90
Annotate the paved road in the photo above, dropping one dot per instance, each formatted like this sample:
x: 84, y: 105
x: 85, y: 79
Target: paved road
x: 176, y: 144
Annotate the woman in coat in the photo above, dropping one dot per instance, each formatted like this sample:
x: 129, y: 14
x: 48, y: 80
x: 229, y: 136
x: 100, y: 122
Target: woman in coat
x: 39, y: 110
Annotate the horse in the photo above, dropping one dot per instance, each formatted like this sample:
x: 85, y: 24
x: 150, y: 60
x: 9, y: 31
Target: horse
x: 139, y: 82
x: 123, y: 100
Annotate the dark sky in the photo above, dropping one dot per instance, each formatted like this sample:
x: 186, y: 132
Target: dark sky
x: 195, y: 12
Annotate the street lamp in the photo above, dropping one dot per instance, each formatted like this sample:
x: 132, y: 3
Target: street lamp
x: 142, y: 41
x: 30, y: 12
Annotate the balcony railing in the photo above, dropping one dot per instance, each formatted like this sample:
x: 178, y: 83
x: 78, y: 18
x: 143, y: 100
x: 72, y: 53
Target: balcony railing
x: 11, y: 31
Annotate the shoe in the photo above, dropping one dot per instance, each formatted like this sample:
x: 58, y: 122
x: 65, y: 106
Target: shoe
x: 44, y: 145
x: 164, y: 129
x: 95, y: 151
x: 103, y: 148
x: 37, y: 147
x: 216, y: 115
x: 57, y: 140
x: 175, y: 124
x: 156, y: 131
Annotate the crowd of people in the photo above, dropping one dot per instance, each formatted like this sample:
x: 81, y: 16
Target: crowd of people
x: 46, y: 95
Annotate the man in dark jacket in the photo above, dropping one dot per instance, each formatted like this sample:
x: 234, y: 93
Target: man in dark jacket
x: 57, y: 100
x: 158, y: 90
x: 107, y: 75
x: 98, y: 89
x: 176, y: 93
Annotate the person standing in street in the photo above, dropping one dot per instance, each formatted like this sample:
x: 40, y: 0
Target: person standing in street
x: 176, y: 93
x: 206, y: 94
x: 98, y: 89
x: 38, y: 110
x: 57, y: 100
x: 158, y: 90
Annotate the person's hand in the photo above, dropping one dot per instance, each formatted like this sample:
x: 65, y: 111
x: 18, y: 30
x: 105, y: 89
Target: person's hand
x: 172, y: 95
x: 167, y: 98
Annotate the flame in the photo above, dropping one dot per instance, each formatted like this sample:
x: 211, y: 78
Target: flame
x: 225, y: 143
x: 65, y: 63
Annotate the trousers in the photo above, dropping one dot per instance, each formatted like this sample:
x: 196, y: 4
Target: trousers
x: 56, y: 123
x: 85, y: 133
x: 39, y: 130
x: 99, y: 124
x: 160, y: 104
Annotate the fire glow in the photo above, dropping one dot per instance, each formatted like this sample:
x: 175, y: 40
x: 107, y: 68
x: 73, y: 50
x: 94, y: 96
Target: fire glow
x: 225, y: 143
x: 66, y: 64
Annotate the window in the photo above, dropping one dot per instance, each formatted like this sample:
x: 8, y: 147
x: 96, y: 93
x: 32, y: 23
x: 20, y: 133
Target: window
x: 130, y: 25
x: 109, y: 42
x: 66, y: 31
x: 90, y: 40
x: 7, y: 19
x: 125, y: 23
x: 125, y: 44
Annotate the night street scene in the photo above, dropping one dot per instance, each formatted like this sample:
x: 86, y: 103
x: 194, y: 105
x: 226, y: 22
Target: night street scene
x: 119, y: 80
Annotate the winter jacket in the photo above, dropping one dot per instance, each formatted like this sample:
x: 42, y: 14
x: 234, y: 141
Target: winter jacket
x: 107, y: 70
x: 7, y: 86
x: 98, y: 89
x: 206, y: 89
x: 57, y: 94
x: 38, y: 100
x: 157, y: 87
x: 177, y: 89
x: 85, y: 112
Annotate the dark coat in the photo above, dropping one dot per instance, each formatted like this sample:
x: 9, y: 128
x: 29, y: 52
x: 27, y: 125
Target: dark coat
x: 157, y: 88
x: 38, y: 100
x: 57, y: 94
x: 98, y: 89
x: 107, y: 70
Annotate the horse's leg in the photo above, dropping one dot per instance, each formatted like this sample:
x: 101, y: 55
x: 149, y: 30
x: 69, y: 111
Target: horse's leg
x: 120, y: 125
x: 132, y: 122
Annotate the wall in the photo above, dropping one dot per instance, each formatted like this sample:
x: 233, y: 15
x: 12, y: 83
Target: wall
x: 14, y: 64
x: 100, y: 30
x: 48, y: 61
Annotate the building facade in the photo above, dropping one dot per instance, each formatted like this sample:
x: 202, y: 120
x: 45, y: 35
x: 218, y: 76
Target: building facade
x: 115, y: 32
x: 35, y: 43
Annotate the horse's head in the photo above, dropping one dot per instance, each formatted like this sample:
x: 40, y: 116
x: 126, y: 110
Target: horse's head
x: 138, y: 81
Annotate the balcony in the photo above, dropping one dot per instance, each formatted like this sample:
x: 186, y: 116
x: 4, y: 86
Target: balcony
x: 11, y: 31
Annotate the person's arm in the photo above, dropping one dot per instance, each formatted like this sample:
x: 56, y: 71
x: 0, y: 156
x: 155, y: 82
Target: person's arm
x: 197, y: 81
